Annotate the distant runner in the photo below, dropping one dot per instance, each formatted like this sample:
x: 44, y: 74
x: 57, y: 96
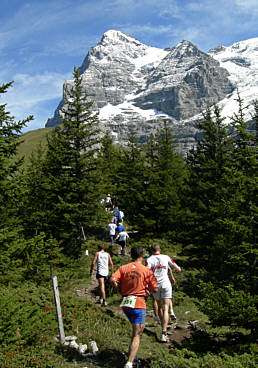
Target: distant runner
x: 112, y: 231
x: 120, y: 227
x: 159, y: 263
x: 133, y: 280
x: 103, y: 260
x: 122, y: 239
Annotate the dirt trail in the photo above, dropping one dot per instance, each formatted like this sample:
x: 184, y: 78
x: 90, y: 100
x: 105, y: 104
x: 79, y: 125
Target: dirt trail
x: 176, y: 331
x: 89, y: 293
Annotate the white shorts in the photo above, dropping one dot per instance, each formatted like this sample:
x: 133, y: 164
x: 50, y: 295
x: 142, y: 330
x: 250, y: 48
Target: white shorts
x: 163, y: 292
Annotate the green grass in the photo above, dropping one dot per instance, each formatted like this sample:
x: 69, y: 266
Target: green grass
x: 30, y: 141
x: 32, y: 310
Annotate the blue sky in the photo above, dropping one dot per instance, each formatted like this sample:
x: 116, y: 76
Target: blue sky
x: 42, y: 40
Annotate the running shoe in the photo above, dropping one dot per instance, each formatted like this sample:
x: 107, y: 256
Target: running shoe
x: 129, y: 365
x: 164, y: 337
x: 100, y: 301
x: 173, y: 317
x: 104, y: 303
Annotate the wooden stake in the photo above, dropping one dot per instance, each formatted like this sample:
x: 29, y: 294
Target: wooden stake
x: 58, y: 308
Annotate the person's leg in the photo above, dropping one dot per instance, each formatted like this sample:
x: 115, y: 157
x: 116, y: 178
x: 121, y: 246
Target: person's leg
x: 135, y: 341
x: 165, y: 306
x: 171, y: 310
x: 123, y: 248
x: 102, y: 288
x: 156, y: 310
x: 160, y: 310
x: 119, y: 248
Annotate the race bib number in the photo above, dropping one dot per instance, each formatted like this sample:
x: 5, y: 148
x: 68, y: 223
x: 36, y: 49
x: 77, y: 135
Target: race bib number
x: 129, y: 301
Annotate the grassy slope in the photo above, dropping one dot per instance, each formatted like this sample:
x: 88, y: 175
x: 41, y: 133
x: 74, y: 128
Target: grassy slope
x: 112, y: 331
x: 30, y: 141
x: 106, y: 326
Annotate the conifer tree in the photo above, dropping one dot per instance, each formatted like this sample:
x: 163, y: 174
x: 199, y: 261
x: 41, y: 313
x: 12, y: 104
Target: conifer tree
x: 243, y: 220
x: 11, y: 183
x: 10, y: 132
x: 109, y: 165
x: 221, y: 239
x: 35, y: 202
x: 130, y: 181
x: 208, y: 182
x: 70, y: 180
x: 164, y: 180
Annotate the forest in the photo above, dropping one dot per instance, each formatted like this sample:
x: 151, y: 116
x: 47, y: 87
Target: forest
x: 201, y: 207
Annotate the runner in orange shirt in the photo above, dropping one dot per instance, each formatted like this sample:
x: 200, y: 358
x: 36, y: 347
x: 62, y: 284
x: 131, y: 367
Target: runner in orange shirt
x: 134, y: 281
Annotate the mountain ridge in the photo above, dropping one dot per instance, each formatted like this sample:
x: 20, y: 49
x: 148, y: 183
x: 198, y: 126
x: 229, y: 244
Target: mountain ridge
x: 135, y: 86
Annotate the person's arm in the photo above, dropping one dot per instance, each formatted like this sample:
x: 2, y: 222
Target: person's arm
x: 171, y: 276
x: 127, y: 238
x: 173, y: 264
x: 115, y: 278
x: 93, y: 263
x: 111, y: 264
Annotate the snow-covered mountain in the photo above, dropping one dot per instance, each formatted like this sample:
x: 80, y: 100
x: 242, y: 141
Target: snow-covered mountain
x: 135, y: 86
x: 241, y: 62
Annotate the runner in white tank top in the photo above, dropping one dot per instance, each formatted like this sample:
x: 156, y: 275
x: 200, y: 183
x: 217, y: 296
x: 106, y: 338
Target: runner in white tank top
x: 102, y: 264
x: 159, y: 263
x: 103, y: 260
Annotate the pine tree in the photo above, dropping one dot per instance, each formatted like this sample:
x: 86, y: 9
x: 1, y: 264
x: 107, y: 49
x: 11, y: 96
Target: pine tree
x: 70, y: 178
x: 11, y: 183
x: 109, y: 165
x: 35, y: 202
x: 242, y: 224
x: 164, y: 180
x: 208, y: 183
x: 10, y: 132
x: 221, y: 240
x: 129, y: 179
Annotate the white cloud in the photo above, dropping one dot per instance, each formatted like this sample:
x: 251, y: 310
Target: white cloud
x: 247, y: 6
x: 31, y: 92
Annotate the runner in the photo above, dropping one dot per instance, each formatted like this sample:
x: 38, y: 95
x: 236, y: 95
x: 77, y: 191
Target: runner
x: 108, y: 203
x: 112, y: 231
x: 116, y: 213
x: 120, y: 227
x: 103, y: 260
x: 159, y: 263
x: 155, y: 303
x: 121, y: 216
x: 134, y: 280
x: 122, y: 239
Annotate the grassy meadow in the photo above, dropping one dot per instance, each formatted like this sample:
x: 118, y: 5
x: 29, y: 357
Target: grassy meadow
x: 29, y: 323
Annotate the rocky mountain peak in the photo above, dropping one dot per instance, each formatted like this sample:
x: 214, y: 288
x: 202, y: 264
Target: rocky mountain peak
x: 116, y: 37
x: 135, y: 86
x: 185, y: 49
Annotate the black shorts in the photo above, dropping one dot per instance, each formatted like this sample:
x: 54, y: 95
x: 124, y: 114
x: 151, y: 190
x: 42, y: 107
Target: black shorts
x: 98, y: 276
x: 122, y: 243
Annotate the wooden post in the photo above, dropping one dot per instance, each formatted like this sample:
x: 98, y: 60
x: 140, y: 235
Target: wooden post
x: 84, y: 238
x: 58, y: 308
